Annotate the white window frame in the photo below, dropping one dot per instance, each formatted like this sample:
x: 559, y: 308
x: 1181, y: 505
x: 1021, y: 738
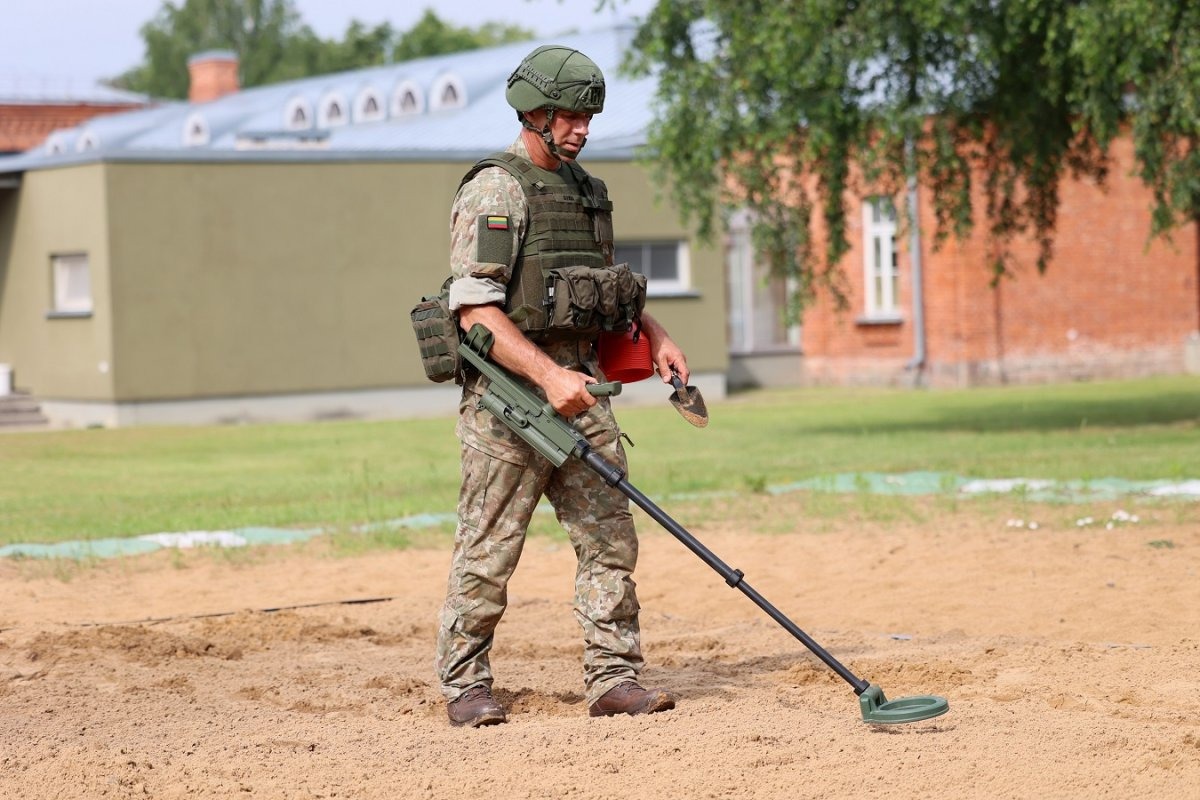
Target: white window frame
x: 753, y: 306
x: 71, y: 279
x: 881, y: 268
x: 682, y: 283
x: 398, y: 94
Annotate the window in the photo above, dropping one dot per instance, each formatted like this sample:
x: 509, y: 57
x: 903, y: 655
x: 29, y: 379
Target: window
x: 407, y: 100
x: 88, y: 141
x: 72, y: 280
x: 881, y: 268
x: 757, y: 299
x: 665, y: 264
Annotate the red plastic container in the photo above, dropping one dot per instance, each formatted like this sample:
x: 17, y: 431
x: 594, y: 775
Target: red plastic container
x: 625, y: 357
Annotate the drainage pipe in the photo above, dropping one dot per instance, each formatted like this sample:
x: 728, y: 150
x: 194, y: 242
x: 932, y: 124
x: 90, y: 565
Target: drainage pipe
x: 917, y: 362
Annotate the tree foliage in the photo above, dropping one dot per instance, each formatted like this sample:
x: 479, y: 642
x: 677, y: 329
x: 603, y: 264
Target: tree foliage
x: 789, y: 108
x: 261, y: 32
x: 430, y: 36
x: 273, y: 43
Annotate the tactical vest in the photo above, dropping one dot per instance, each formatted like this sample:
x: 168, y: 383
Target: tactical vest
x: 564, y: 284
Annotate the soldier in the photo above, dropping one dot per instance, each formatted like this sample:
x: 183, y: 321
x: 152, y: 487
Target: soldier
x: 524, y: 223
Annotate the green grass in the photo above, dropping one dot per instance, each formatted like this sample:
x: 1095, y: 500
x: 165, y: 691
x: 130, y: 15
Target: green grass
x: 98, y: 483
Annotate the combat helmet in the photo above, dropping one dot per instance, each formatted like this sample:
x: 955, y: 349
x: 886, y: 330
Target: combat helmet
x: 555, y: 77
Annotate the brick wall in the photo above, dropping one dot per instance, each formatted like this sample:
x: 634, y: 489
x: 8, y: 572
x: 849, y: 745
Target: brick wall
x: 23, y: 126
x: 1112, y: 303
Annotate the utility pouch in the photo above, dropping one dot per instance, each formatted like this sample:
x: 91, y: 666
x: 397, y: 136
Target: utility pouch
x: 438, y: 336
x: 587, y: 300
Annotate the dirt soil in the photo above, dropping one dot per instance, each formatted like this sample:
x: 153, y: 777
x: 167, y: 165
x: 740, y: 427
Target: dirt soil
x: 1068, y: 655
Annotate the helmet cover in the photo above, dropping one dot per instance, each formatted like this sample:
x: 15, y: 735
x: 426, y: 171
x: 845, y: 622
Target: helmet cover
x: 554, y: 76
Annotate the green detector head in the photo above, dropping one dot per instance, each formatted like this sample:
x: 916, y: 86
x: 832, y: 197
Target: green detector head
x: 876, y: 708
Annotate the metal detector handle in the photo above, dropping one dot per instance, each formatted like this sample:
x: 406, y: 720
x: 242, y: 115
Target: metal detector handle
x: 610, y: 389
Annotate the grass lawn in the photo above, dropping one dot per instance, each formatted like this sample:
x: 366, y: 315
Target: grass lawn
x: 99, y: 483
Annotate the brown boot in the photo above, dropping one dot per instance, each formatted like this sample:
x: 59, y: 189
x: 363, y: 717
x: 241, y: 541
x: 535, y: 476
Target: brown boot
x: 475, y: 707
x: 629, y: 698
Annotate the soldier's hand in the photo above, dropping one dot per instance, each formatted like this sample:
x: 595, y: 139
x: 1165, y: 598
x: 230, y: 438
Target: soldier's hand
x: 567, y: 392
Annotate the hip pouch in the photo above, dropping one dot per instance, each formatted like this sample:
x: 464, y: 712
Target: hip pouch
x: 438, y: 337
x: 590, y: 300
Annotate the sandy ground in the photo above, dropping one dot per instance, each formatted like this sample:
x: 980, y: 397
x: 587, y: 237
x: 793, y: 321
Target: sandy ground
x: 1068, y: 655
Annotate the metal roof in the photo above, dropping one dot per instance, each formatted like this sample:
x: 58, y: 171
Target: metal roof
x: 262, y: 123
x: 55, y: 90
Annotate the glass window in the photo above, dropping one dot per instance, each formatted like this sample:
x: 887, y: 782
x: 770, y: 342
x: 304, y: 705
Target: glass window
x: 665, y: 264
x: 757, y: 299
x: 72, y: 280
x: 881, y: 270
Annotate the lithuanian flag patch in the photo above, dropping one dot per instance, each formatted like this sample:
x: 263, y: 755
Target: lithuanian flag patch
x: 495, y: 223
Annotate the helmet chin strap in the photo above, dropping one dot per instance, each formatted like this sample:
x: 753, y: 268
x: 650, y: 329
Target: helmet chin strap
x: 545, y: 132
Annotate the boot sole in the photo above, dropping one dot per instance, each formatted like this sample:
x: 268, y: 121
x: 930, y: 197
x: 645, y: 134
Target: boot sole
x: 661, y: 702
x: 486, y: 718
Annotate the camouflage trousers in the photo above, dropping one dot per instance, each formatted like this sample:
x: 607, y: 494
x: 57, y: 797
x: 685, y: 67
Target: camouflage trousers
x: 502, y: 483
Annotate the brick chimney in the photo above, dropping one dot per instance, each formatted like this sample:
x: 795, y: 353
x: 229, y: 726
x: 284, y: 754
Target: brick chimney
x: 213, y: 74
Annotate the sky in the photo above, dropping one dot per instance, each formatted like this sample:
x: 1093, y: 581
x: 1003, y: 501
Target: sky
x: 75, y: 43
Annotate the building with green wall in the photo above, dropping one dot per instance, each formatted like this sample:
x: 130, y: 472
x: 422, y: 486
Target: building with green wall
x: 255, y: 257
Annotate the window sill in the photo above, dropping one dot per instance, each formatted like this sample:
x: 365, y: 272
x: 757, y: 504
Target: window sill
x: 68, y: 314
x: 879, y: 319
x: 672, y: 294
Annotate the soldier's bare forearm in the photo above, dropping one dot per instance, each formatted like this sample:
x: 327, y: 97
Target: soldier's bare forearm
x: 511, y: 349
x: 664, y: 351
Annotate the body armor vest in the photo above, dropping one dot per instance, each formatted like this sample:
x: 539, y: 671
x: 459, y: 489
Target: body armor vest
x: 564, y: 284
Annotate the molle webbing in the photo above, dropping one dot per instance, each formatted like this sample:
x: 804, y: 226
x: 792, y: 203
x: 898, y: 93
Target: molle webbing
x: 570, y: 225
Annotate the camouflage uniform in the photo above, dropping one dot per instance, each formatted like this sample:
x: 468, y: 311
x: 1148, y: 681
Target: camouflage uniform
x: 503, y: 480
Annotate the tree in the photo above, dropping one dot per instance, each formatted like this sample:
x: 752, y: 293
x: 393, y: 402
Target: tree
x: 784, y: 107
x: 431, y: 36
x: 259, y: 31
x: 273, y: 44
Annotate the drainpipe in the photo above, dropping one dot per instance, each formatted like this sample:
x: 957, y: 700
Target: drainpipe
x: 917, y: 362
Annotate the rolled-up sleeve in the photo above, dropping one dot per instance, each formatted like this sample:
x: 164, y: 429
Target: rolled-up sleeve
x: 487, y: 224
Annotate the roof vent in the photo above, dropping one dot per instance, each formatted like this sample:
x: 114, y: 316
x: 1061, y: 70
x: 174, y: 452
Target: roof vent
x: 448, y: 92
x: 334, y: 111
x: 195, y: 131
x: 298, y: 115
x: 407, y: 100
x: 368, y: 106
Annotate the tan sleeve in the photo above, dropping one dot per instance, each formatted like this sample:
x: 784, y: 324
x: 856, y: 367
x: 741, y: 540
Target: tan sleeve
x: 487, y: 225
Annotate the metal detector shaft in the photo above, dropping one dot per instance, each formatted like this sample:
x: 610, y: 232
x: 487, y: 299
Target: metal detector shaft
x: 614, y: 476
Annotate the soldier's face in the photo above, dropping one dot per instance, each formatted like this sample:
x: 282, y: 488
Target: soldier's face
x: 569, y: 129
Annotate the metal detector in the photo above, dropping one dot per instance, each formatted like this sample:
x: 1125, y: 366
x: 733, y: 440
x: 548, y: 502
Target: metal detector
x: 536, y: 422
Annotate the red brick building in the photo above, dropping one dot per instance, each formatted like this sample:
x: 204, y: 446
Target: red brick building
x: 31, y: 109
x: 1112, y: 303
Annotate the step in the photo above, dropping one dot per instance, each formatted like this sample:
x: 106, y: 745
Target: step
x: 20, y: 410
x: 23, y: 419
